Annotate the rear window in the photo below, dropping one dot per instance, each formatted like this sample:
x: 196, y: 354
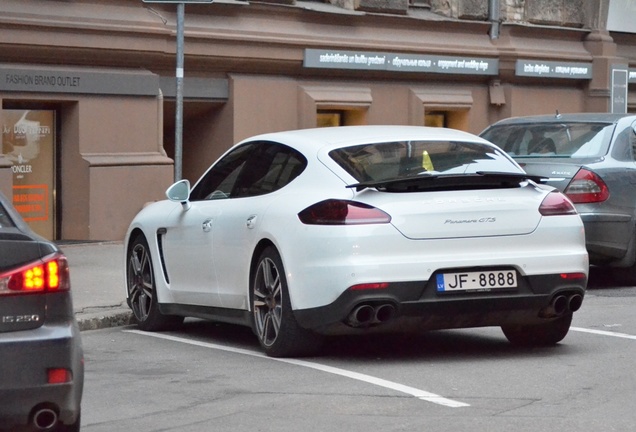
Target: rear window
x: 403, y: 159
x: 5, y: 220
x: 563, y: 140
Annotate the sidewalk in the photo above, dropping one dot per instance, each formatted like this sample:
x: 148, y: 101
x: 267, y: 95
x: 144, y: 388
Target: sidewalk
x: 98, y: 284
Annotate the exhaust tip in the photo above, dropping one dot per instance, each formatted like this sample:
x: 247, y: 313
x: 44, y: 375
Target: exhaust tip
x: 361, y: 316
x: 384, y: 313
x: 575, y: 301
x: 45, y: 419
x: 560, y: 304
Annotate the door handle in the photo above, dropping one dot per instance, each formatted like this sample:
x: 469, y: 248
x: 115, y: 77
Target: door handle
x: 207, y: 225
x: 251, y: 221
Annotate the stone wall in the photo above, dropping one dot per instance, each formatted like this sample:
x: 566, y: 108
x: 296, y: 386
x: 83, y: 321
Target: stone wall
x: 566, y: 13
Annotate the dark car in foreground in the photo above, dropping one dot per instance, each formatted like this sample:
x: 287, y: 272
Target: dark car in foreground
x: 592, y: 159
x: 41, y: 358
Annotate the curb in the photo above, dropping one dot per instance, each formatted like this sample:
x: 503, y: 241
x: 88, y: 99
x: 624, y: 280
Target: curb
x: 104, y: 319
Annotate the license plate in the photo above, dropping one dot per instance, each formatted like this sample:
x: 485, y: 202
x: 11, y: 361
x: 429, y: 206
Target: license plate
x: 476, y: 281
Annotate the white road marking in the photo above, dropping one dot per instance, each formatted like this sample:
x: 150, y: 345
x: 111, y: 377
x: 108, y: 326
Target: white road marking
x: 604, y: 333
x: 420, y: 394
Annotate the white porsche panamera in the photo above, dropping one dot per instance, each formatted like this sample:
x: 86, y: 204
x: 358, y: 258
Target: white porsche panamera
x: 309, y: 233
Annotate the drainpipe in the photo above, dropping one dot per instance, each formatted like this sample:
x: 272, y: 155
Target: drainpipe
x: 493, y: 17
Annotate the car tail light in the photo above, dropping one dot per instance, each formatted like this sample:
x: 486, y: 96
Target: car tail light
x: 342, y: 212
x: 587, y: 187
x: 46, y: 275
x: 556, y: 204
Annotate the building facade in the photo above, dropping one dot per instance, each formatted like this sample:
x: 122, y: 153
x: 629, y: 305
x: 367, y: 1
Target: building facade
x: 89, y: 91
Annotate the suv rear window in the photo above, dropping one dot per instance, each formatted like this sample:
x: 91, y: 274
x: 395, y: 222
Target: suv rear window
x: 565, y: 140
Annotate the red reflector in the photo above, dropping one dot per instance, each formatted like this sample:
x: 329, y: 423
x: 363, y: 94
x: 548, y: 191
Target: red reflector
x: 370, y: 286
x: 59, y: 376
x: 572, y: 276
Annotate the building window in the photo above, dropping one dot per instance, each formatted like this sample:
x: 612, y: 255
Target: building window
x: 327, y: 118
x: 435, y: 119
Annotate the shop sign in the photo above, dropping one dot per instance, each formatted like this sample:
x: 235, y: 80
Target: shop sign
x: 382, y: 61
x: 632, y: 76
x: 552, y: 69
x: 78, y: 80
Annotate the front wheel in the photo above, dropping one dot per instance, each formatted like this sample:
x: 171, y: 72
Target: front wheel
x: 273, y: 320
x: 545, y: 334
x: 142, y: 290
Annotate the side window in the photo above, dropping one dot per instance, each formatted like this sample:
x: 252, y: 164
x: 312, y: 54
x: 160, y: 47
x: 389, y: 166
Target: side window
x: 253, y: 169
x: 270, y: 167
x: 220, y: 180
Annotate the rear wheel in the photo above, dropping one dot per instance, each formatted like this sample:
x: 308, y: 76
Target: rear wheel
x: 142, y: 292
x: 273, y: 320
x: 545, y: 334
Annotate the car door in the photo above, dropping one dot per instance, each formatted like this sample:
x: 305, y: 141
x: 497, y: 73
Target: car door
x: 237, y: 228
x: 187, y: 252
x: 189, y: 239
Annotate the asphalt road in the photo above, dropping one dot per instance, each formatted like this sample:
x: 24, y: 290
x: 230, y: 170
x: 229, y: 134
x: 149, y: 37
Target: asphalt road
x: 212, y: 377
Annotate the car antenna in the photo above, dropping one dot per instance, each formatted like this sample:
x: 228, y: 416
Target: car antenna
x: 557, y: 114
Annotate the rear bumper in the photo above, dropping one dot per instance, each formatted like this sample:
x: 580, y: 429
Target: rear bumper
x: 608, y: 238
x: 25, y: 357
x: 419, y: 304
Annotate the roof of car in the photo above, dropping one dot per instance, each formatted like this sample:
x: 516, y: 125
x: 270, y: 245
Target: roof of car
x: 351, y: 135
x: 570, y: 117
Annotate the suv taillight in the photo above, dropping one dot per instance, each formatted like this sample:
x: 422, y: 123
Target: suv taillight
x: 46, y: 275
x: 587, y: 187
x: 342, y: 212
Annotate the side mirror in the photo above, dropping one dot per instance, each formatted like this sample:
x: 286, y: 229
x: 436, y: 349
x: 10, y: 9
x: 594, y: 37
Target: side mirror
x: 180, y: 192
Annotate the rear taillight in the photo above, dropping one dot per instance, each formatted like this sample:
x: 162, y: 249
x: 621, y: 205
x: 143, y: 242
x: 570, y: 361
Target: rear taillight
x: 556, y: 204
x: 587, y: 187
x: 342, y: 212
x: 47, y: 275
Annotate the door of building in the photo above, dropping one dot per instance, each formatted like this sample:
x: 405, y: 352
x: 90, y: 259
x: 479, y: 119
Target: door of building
x: 28, y: 141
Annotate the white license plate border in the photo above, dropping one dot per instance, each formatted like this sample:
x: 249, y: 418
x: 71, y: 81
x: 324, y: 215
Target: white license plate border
x: 449, y: 272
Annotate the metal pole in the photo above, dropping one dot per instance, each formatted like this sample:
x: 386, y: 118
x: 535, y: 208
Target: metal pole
x: 493, y: 16
x: 178, y: 122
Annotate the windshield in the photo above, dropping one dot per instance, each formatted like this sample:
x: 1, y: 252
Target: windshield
x: 563, y: 140
x: 403, y: 159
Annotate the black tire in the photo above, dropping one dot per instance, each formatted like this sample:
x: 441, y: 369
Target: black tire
x: 546, y: 334
x: 142, y: 293
x: 273, y: 320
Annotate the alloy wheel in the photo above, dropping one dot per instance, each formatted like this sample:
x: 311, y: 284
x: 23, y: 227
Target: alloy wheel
x: 140, y: 281
x: 268, y: 301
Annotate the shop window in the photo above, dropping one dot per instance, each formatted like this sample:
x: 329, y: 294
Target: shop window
x: 448, y: 107
x: 333, y: 106
x: 435, y: 119
x: 329, y: 118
